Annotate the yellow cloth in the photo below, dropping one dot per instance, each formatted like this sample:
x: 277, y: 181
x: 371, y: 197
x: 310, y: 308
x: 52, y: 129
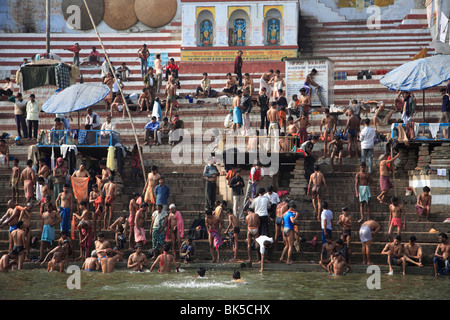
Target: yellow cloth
x: 422, y: 54
x: 110, y: 160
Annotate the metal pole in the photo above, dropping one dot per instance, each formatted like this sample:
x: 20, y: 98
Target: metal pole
x: 47, y: 14
x: 423, y: 105
x: 120, y: 89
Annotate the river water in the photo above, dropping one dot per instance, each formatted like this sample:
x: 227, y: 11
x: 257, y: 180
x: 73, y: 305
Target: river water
x: 218, y: 285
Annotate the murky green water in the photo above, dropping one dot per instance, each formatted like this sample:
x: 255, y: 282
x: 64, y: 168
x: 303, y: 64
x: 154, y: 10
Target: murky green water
x: 123, y: 284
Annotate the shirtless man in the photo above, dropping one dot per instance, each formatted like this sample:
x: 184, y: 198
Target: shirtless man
x: 214, y: 226
x: 382, y: 116
x: 96, y: 201
x: 352, y: 128
x: 59, y: 257
x: 394, y: 251
x: 345, y: 221
x: 144, y: 100
x: 338, y: 146
x: 413, y: 252
x: 292, y: 127
x: 309, y: 81
x: 108, y: 259
x: 303, y: 124
x: 119, y: 227
x: 238, y: 119
x: 25, y: 217
x: 91, y: 263
x: 28, y: 178
x: 362, y: 189
x: 106, y: 173
x: 328, y: 249
x: 7, y: 261
x: 338, y: 266
x: 233, y: 223
x: 44, y: 172
x: 49, y: 220
x: 248, y: 83
x: 366, y: 233
x: 281, y: 209
x: 133, y: 207
x: 175, y: 221
x: 110, y: 190
x: 64, y: 203
x: 329, y: 123
x: 19, y: 241
x: 274, y: 126
x: 396, y: 217
x: 150, y: 185
x: 81, y: 172
x: 305, y: 101
x: 171, y: 93
x: 253, y: 222
x: 70, y: 250
x: 165, y: 261
x: 264, y: 82
x: 46, y: 193
x: 11, y: 218
x: 315, y: 189
x: 230, y: 85
x: 15, y: 176
x: 101, y: 244
x: 423, y: 204
x: 441, y: 259
x: 137, y: 260
x: 139, y: 232
x: 385, y: 182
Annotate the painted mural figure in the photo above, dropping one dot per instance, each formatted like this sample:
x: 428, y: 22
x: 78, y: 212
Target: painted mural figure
x: 239, y: 32
x: 273, y: 32
x: 206, y: 32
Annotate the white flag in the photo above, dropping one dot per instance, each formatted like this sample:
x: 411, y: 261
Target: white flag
x: 444, y: 27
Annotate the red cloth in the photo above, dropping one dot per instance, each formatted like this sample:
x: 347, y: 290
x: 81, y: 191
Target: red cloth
x: 281, y: 194
x: 74, y: 49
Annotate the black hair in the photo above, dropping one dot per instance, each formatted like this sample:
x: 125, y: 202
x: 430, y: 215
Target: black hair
x: 325, y: 205
x: 426, y: 189
x: 201, y: 271
x: 167, y: 246
x: 236, y: 275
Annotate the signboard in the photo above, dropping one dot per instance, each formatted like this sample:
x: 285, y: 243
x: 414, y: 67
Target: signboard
x: 229, y: 55
x: 298, y: 69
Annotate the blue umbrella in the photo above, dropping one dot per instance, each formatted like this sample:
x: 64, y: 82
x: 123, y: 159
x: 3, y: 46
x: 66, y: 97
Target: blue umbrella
x: 76, y: 97
x: 419, y: 74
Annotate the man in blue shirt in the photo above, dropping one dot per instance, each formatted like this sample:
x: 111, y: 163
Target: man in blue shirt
x: 162, y: 193
x: 151, y: 129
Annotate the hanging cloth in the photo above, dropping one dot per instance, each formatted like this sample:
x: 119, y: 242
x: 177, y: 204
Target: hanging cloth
x: 80, y: 188
x: 110, y: 160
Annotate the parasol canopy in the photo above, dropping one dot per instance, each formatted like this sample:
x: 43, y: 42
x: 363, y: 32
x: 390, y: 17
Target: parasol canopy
x: 76, y: 97
x: 419, y: 74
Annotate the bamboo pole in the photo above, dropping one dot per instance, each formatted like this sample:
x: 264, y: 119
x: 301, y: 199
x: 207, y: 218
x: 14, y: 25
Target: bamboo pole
x: 120, y: 89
